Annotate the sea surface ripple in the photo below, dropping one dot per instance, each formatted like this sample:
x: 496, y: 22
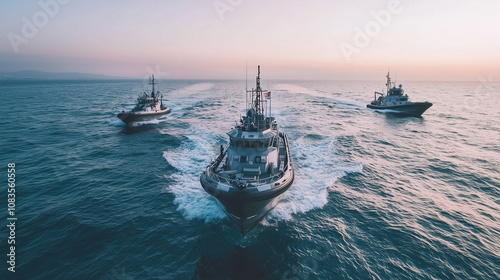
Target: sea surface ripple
x: 376, y: 195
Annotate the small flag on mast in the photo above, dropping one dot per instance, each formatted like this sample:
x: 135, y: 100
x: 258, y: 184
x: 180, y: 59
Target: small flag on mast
x: 267, y: 95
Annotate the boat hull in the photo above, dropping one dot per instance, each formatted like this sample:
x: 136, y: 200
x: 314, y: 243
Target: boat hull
x: 246, y: 207
x: 415, y: 109
x: 130, y: 117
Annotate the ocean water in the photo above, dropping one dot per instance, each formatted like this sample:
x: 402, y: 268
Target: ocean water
x: 376, y: 195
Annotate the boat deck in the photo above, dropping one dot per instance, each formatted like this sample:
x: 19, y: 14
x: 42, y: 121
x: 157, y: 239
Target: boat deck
x: 248, y: 173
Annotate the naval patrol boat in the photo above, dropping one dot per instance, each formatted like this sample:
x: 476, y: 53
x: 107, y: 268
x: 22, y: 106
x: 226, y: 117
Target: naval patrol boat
x: 250, y: 176
x: 149, y: 106
x: 396, y: 101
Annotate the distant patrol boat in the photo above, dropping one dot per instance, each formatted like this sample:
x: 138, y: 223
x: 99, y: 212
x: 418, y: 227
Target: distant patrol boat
x: 251, y: 175
x: 397, y: 102
x: 148, y: 107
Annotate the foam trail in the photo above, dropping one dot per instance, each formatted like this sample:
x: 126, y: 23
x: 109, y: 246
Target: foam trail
x: 137, y: 124
x: 348, y: 103
x: 297, y: 89
x: 317, y: 168
x: 192, y: 89
x: 116, y: 122
x: 386, y: 111
x: 190, y: 159
x: 291, y: 88
x: 186, y: 97
x: 316, y: 164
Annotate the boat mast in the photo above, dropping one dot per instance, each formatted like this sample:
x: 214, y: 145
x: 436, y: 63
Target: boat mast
x: 269, y: 93
x: 270, y: 104
x: 257, y: 104
x: 152, y: 82
x: 246, y: 86
x: 388, y: 84
x: 258, y: 95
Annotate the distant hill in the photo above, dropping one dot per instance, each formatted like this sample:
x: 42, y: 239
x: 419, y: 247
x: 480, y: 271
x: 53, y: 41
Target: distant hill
x: 41, y: 75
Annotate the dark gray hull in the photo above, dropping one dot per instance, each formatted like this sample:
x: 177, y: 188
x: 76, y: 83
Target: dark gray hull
x: 130, y: 117
x: 246, y: 207
x: 415, y: 109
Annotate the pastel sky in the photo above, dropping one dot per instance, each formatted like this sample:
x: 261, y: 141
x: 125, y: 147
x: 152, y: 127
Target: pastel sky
x: 292, y: 39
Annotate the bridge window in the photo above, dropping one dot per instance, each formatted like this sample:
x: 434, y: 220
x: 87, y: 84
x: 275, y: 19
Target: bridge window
x: 243, y: 159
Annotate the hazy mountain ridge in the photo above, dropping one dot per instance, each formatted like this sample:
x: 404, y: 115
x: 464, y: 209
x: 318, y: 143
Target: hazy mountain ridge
x: 42, y: 75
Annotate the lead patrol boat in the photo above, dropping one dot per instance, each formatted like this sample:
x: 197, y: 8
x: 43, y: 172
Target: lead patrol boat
x: 251, y: 175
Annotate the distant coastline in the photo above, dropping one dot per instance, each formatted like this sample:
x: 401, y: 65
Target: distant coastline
x: 36, y: 75
x: 42, y: 75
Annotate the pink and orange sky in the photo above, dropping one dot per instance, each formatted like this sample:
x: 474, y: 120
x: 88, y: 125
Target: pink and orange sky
x: 216, y: 39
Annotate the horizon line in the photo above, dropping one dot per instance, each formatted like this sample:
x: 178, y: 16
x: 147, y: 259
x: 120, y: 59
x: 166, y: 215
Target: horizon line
x: 113, y: 77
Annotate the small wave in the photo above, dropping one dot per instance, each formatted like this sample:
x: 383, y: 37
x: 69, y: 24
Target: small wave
x: 156, y: 121
x: 314, y: 136
x: 349, y: 103
x: 192, y: 89
x: 326, y: 98
x: 291, y: 88
x: 317, y: 168
x: 185, y: 97
x: 116, y: 122
x: 388, y: 111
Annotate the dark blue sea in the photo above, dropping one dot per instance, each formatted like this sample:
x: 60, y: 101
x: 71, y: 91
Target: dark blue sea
x: 376, y: 195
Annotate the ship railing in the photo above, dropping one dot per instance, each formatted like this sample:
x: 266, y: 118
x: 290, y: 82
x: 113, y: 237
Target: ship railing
x: 218, y: 160
x: 236, y: 181
x: 213, y: 166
